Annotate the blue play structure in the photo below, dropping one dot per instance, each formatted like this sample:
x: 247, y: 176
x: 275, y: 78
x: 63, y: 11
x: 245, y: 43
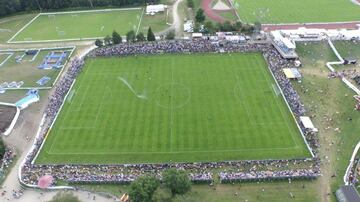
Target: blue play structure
x: 43, y: 80
x: 53, y: 60
x: 31, y: 97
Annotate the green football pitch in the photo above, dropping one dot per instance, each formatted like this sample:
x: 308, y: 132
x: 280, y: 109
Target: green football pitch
x: 80, y: 25
x: 297, y: 11
x: 173, y: 108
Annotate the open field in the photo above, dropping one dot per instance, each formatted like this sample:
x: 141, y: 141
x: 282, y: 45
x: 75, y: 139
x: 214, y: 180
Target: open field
x: 78, y: 25
x: 173, y: 109
x: 156, y: 22
x: 329, y: 98
x: 263, y: 191
x: 27, y: 70
x: 285, y: 11
x: 348, y: 49
x: 10, y: 25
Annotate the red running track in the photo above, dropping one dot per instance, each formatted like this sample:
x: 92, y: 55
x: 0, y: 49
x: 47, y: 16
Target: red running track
x: 206, y: 6
x: 335, y: 25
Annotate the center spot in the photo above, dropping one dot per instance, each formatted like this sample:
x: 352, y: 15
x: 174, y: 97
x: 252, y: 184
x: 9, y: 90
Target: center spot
x: 173, y: 95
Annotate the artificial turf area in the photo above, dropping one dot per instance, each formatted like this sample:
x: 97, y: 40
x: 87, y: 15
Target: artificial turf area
x: 78, y: 25
x: 173, y: 108
x: 295, y: 11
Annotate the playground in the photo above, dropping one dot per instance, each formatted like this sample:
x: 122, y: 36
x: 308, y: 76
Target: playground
x: 31, y: 68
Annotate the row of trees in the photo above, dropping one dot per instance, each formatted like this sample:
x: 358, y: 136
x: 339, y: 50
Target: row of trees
x: 131, y: 36
x: 145, y: 188
x: 12, y: 6
x: 208, y: 27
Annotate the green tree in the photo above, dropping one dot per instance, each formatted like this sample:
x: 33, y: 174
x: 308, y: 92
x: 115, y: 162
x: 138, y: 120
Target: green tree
x: 162, y: 195
x: 140, y: 37
x: 190, y: 3
x: 177, y: 181
x: 116, y: 37
x: 247, y: 29
x: 227, y: 26
x: 107, y: 40
x: 237, y: 26
x: 99, y: 43
x: 64, y: 197
x: 200, y: 17
x: 257, y: 27
x: 209, y: 27
x: 150, y: 35
x: 130, y: 36
x: 2, y: 148
x: 170, y: 35
x: 143, y: 188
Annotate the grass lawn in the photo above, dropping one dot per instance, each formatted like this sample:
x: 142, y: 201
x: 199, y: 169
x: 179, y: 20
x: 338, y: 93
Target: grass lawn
x: 28, y: 71
x: 348, y: 49
x: 173, y: 108
x: 228, y: 15
x: 329, y: 99
x: 294, y: 11
x: 10, y: 25
x: 263, y: 191
x: 80, y: 25
x: 156, y: 22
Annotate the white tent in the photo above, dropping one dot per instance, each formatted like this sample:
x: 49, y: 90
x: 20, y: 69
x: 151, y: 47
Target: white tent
x: 221, y: 6
x: 151, y: 9
x: 307, y: 123
x: 286, y: 41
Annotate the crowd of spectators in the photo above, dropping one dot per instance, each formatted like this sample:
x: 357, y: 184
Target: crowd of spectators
x: 198, y: 172
x: 354, y: 172
x: 7, y: 158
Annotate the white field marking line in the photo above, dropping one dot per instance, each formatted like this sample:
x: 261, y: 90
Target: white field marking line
x: 69, y: 12
x: 35, y: 56
x: 6, y: 59
x: 287, y: 104
x: 24, y: 49
x: 78, y: 108
x: 72, y: 48
x: 64, y: 66
x: 100, y: 107
x: 18, y: 32
x: 236, y: 12
x: 311, y: 23
x: 140, y: 20
x: 69, y: 110
x: 176, y: 107
x: 91, y: 11
x: 279, y: 108
x: 71, y: 95
x: 174, y: 152
x: 59, y: 40
x: 52, y: 124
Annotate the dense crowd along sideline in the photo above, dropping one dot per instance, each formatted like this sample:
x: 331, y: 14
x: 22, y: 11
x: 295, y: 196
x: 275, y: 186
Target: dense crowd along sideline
x: 198, y: 172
